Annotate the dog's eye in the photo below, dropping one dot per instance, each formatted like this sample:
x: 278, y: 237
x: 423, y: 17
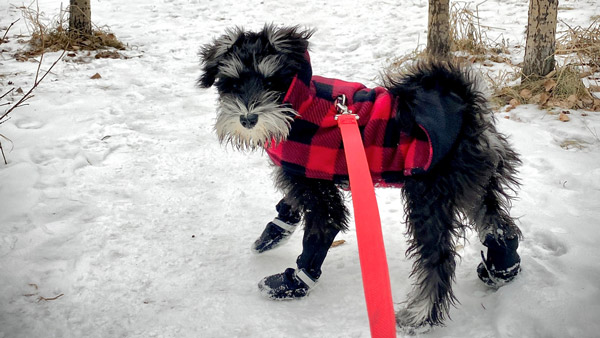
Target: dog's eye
x: 268, y: 83
x: 234, y: 86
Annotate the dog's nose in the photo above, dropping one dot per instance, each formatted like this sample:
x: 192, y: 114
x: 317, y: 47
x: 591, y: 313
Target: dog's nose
x: 249, y: 121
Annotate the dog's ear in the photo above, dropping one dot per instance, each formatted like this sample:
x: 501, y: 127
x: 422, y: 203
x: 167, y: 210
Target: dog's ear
x: 291, y: 40
x: 212, y: 53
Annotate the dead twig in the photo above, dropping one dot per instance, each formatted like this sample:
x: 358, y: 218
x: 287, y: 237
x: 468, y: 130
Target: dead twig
x: 37, y: 73
x: 6, y: 32
x: 8, y: 92
x: 2, y: 151
x: 40, y: 298
x: 593, y: 132
x: 38, y: 80
x: 21, y: 102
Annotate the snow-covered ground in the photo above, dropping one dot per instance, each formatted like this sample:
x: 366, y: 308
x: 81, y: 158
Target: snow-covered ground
x: 119, y: 199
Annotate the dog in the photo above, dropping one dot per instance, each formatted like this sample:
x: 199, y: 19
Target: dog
x: 427, y: 129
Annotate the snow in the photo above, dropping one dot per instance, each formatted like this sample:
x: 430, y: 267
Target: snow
x: 119, y: 197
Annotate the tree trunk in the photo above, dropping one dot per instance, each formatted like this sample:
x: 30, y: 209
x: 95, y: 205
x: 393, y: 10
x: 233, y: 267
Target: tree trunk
x: 541, y: 38
x: 438, y: 29
x: 80, y: 18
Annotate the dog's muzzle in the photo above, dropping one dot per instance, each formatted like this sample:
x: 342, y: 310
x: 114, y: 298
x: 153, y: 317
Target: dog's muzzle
x: 249, y: 120
x: 253, y: 125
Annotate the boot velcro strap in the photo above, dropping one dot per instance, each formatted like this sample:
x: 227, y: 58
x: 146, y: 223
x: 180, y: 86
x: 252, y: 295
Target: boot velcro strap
x: 305, y: 278
x: 285, y: 226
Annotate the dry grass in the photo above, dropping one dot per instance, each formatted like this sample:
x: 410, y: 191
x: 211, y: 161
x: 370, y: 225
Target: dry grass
x: 500, y: 80
x: 573, y: 144
x: 561, y: 88
x: 398, y: 63
x: 467, y: 34
x: 583, y: 42
x: 50, y: 35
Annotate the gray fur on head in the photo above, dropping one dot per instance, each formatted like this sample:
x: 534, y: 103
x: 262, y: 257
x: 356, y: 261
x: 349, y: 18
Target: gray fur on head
x: 252, y: 72
x: 291, y: 42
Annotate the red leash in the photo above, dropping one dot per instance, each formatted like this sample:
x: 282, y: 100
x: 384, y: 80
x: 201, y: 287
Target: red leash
x: 371, y: 251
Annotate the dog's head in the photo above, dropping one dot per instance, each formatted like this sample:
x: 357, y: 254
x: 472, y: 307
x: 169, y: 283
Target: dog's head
x: 252, y: 72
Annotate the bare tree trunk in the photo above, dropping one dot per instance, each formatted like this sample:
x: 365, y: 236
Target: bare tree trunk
x: 438, y: 29
x: 80, y: 18
x: 541, y: 38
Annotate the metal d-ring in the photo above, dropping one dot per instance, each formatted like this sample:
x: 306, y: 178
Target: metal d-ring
x: 342, y: 108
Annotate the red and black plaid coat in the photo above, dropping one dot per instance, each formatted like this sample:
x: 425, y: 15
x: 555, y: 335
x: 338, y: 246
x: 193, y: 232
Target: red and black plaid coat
x: 314, y: 146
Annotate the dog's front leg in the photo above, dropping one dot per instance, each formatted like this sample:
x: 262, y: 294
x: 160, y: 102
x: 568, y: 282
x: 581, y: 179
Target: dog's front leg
x: 325, y: 214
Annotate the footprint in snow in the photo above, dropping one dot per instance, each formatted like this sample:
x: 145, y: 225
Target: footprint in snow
x: 28, y: 124
x: 546, y: 243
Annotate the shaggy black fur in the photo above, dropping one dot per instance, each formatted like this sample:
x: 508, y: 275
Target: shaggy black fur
x: 325, y: 214
x: 250, y: 47
x: 470, y: 181
x: 471, y: 184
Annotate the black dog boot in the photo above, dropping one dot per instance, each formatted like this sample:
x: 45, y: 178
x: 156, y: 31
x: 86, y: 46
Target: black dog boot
x: 291, y: 284
x: 279, y: 230
x: 503, y: 262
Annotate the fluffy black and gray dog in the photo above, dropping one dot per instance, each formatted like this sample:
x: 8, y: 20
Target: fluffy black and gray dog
x: 427, y: 129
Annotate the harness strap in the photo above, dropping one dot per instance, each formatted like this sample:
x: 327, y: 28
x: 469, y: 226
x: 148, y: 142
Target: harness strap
x: 371, y: 250
x: 285, y: 226
x: 305, y: 278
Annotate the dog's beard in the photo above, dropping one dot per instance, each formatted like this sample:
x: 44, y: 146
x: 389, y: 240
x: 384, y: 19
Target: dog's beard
x: 273, y: 125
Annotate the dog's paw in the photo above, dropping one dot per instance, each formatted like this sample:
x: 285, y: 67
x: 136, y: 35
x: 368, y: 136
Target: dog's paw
x: 409, y: 326
x: 291, y: 284
x: 276, y: 233
x: 497, y: 278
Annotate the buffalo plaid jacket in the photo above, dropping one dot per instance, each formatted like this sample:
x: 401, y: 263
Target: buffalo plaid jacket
x: 314, y: 146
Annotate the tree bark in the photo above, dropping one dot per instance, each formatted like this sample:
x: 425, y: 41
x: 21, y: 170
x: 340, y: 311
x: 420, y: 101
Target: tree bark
x: 80, y: 18
x: 438, y: 29
x: 541, y: 38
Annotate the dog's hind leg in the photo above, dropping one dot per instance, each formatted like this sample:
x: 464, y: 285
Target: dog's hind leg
x: 279, y: 230
x: 496, y: 228
x: 432, y: 226
x: 325, y: 214
x: 498, y: 232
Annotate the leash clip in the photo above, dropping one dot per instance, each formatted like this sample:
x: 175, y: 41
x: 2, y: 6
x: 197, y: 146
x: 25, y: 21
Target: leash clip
x: 342, y: 108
